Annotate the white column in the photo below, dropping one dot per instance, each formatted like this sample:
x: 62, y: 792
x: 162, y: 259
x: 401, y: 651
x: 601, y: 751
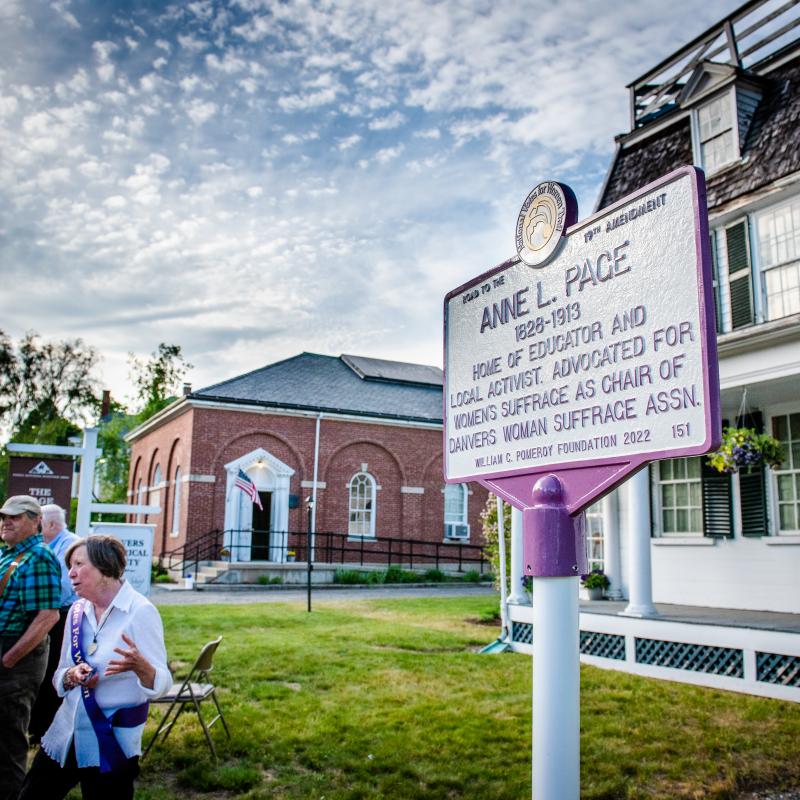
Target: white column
x: 516, y: 594
x: 88, y: 460
x: 556, y: 690
x: 640, y: 576
x: 611, y: 545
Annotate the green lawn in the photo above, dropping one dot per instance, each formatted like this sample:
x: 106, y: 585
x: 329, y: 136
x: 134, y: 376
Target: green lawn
x: 388, y: 699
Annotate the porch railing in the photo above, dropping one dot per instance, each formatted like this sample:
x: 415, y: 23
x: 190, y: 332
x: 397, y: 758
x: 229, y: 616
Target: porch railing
x: 329, y: 547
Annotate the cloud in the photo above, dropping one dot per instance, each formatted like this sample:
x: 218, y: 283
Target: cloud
x: 102, y: 51
x: 256, y: 178
x: 307, y: 100
x: 61, y: 9
x: 349, y: 141
x: 229, y: 64
x: 200, y: 111
x: 387, y: 123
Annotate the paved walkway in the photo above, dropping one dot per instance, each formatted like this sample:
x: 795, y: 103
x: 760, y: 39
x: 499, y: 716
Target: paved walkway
x: 160, y: 595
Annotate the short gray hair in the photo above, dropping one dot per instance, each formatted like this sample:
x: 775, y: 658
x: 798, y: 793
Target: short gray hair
x: 52, y: 510
x: 106, y: 553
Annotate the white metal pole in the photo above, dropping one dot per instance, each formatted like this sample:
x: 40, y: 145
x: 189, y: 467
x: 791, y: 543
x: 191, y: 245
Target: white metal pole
x: 517, y: 594
x: 640, y: 575
x: 556, y: 690
x: 501, y: 548
x: 611, y: 549
x: 88, y: 459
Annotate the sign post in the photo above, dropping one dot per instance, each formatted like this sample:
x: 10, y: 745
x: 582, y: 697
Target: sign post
x: 568, y: 368
x: 89, y: 454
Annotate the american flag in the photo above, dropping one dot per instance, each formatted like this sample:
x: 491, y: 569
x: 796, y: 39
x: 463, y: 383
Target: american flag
x: 248, y: 487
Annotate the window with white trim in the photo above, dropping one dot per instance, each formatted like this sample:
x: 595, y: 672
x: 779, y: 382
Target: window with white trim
x: 176, y: 503
x: 680, y: 497
x: 715, y: 121
x: 786, y: 428
x: 361, y: 520
x: 779, y: 256
x: 455, y: 511
x: 594, y: 536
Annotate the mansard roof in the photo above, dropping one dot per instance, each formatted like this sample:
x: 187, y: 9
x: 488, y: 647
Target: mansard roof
x: 770, y: 151
x: 345, y: 385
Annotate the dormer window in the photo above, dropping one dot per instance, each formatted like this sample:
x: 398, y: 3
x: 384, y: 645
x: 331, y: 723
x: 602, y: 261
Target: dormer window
x: 717, y: 138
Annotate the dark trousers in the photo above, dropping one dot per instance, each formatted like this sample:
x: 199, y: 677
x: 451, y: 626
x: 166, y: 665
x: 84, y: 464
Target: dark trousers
x: 18, y: 689
x: 48, y: 780
x: 48, y: 701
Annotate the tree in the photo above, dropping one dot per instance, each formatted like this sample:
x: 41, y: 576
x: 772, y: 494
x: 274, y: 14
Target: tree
x: 491, y: 536
x: 45, y: 381
x: 158, y: 380
x: 112, y: 472
x: 46, y: 391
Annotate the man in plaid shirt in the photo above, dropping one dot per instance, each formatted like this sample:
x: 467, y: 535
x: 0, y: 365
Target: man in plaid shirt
x: 30, y: 594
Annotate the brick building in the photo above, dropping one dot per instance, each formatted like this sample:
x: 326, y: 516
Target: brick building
x: 361, y: 437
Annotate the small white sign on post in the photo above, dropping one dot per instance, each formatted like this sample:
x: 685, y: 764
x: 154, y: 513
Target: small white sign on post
x: 138, y: 541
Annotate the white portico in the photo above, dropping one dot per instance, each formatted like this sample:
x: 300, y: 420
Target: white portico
x: 243, y: 533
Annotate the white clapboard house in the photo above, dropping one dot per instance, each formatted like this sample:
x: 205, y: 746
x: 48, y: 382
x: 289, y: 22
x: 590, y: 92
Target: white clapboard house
x: 729, y: 102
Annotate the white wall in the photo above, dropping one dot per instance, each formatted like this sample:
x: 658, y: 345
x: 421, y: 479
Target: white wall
x: 754, y: 574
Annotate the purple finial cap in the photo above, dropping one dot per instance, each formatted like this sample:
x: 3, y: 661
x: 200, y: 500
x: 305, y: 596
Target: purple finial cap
x: 553, y: 541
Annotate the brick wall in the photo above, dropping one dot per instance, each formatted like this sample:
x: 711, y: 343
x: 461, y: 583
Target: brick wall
x: 168, y: 447
x: 402, y: 460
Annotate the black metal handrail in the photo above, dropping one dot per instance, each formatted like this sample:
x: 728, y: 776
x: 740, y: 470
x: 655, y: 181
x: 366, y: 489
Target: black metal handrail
x: 329, y: 547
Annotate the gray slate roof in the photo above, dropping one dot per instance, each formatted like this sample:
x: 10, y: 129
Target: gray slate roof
x: 346, y: 385
x: 771, y: 150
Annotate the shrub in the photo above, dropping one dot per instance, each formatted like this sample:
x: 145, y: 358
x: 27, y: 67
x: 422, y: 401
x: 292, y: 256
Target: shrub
x: 472, y: 576
x: 434, y: 576
x: 349, y: 576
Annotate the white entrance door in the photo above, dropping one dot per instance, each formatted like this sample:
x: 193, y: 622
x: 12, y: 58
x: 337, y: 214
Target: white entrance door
x: 269, y: 474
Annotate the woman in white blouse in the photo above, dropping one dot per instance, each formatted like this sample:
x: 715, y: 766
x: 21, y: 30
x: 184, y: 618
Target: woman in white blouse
x: 113, y: 661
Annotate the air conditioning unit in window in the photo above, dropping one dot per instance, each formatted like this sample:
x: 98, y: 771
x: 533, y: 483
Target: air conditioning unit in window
x: 456, y: 530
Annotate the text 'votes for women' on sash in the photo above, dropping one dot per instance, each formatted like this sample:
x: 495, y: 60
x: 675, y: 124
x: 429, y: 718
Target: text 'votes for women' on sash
x: 112, y: 756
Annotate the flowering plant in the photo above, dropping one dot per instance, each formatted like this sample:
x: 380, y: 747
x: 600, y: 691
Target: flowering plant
x: 596, y: 579
x: 743, y: 447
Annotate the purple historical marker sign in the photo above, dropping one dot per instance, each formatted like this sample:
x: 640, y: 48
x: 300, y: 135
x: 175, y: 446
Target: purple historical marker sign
x: 592, y: 360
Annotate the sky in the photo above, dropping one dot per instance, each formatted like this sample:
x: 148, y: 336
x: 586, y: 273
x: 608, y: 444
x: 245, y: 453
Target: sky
x: 251, y: 179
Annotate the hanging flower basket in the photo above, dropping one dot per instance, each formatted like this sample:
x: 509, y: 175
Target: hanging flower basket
x: 743, y: 448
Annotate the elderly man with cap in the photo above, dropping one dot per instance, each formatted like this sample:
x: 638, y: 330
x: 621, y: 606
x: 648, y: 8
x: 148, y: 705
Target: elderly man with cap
x: 58, y: 539
x: 30, y: 596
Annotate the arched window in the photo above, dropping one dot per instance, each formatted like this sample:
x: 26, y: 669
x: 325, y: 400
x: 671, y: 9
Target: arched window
x: 455, y: 511
x: 361, y: 521
x: 155, y: 489
x: 176, y: 503
x: 139, y: 498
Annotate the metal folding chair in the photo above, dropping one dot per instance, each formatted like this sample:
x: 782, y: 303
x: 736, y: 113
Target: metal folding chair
x: 192, y: 691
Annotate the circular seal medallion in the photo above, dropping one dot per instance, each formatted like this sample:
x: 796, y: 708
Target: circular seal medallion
x: 546, y: 213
